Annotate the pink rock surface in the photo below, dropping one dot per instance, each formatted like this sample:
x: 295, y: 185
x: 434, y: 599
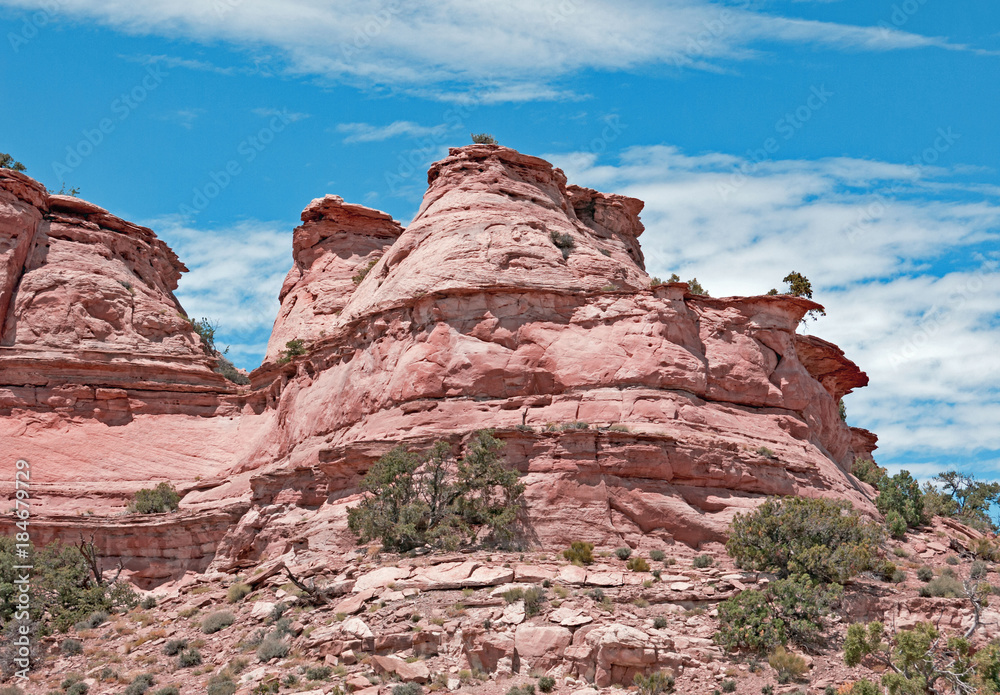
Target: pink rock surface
x: 473, y: 317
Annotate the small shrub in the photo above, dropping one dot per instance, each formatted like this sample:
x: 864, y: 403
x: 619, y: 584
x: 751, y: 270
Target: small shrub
x: 510, y: 596
x: 637, y: 564
x: 951, y: 560
x: 78, y: 688
x: 237, y: 592
x: 8, y: 162
x: 596, y: 594
x: 217, y: 621
x: 363, y: 272
x: 318, y: 673
x: 580, y: 553
x: 140, y: 684
x: 71, y: 647
x: 533, y: 599
x: 703, y: 561
x: 480, y: 139
x: 788, y: 665
x: 900, y: 552
x: 159, y: 500
x: 169, y: 690
x: 273, y: 647
x: 221, y: 684
x: 895, y: 524
x: 229, y: 371
x: 189, y: 657
x: 148, y: 603
x: 865, y: 687
x: 546, y: 684
x: 654, y: 683
x: 767, y: 689
x: 563, y: 242
x: 728, y: 686
x: 659, y: 622
x: 765, y: 452
x: 985, y: 549
x: 925, y: 573
x: 175, y: 646
x: 623, y: 553
x: 656, y: 555
x: 943, y: 587
x: 95, y: 619
x: 978, y: 570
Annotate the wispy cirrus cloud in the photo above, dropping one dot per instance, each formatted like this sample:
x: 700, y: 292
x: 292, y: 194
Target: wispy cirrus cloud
x: 366, y: 132
x: 514, y: 51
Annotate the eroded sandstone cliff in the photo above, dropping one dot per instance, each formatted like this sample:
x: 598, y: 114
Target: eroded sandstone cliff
x: 513, y: 301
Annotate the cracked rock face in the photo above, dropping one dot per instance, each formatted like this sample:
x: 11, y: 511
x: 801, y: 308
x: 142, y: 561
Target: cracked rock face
x: 513, y: 302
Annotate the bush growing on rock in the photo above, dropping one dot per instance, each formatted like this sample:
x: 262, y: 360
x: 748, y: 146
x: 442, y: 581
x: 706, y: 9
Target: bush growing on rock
x: 237, y: 592
x: 140, y: 684
x: 546, y: 684
x: 273, y: 647
x: 786, y: 610
x: 824, y: 539
x: 483, y: 139
x: 637, y: 564
x: 65, y: 590
x: 654, y: 683
x: 788, y: 665
x: 189, y: 657
x: 294, y: 348
x: 217, y: 621
x: 221, y: 684
x: 71, y: 647
x: 964, y: 498
x: 943, y: 587
x: 318, y: 673
x: 656, y: 555
x: 563, y: 242
x: 580, y: 553
x: 438, y: 499
x: 168, y: 690
x: 703, y: 561
x: 623, y: 553
x: 925, y: 574
x: 161, y: 499
x: 8, y: 162
x: 175, y: 646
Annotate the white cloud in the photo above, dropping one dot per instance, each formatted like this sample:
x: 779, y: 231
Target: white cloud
x: 285, y: 114
x: 911, y: 293
x: 185, y: 118
x: 366, y: 132
x: 234, y: 279
x: 448, y: 46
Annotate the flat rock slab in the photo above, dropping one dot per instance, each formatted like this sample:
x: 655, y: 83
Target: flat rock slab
x: 355, y: 603
x: 416, y: 671
x: 570, y: 617
x: 604, y: 579
x: 380, y: 578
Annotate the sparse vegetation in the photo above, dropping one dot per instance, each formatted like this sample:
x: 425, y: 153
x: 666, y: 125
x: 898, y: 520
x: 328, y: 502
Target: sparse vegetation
x: 580, y: 553
x: 237, y: 592
x: 8, y: 162
x: 221, y: 684
x: 703, y: 561
x: 189, y: 658
x: 363, y: 271
x: 227, y: 369
x: 825, y: 539
x: 293, y: 348
x: 623, y: 553
x: 694, y: 287
x: 563, y: 242
x: 483, y: 139
x: 788, y: 665
x: 438, y: 499
x: 546, y: 684
x: 656, y: 555
x: 637, y: 564
x: 71, y: 647
x: 273, y: 647
x: 654, y: 683
x: 159, y: 500
x: 140, y: 684
x: 219, y: 620
x: 964, y: 498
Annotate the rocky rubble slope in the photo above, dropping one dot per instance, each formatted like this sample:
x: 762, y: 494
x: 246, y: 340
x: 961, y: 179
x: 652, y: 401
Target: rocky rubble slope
x: 461, y: 623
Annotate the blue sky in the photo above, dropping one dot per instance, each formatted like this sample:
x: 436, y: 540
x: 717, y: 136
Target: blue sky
x: 855, y: 141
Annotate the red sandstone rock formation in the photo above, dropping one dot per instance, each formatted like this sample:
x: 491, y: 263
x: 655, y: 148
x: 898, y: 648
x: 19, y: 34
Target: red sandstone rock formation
x: 512, y: 302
